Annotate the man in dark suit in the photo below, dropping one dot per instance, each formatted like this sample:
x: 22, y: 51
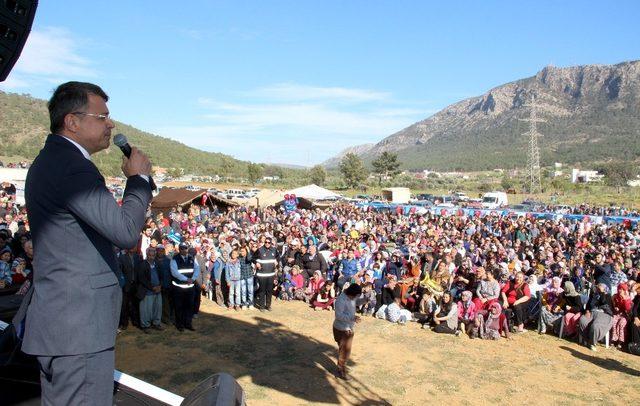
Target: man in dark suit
x: 149, y: 292
x: 73, y: 316
x: 130, y: 307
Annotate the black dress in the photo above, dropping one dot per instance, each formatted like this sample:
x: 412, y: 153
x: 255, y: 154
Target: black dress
x: 635, y: 312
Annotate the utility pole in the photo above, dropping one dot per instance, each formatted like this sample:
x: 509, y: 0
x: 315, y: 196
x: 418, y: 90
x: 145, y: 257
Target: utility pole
x: 533, y: 155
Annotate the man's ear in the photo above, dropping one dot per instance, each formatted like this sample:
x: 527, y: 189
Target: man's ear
x: 71, y: 123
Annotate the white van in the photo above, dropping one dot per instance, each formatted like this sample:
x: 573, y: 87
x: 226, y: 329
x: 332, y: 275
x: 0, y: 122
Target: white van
x: 494, y: 200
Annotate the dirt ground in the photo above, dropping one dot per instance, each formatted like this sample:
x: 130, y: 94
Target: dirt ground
x: 287, y: 357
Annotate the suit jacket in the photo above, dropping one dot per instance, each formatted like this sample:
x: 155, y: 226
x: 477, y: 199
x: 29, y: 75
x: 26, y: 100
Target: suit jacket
x: 143, y: 276
x: 75, y: 222
x: 127, y: 268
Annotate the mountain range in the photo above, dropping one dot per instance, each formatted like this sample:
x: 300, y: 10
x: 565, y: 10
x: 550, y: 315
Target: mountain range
x: 591, y: 114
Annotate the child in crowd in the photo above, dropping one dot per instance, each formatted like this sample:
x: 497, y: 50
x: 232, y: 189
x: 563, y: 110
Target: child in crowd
x: 367, y: 300
x: 5, y: 269
x: 326, y: 297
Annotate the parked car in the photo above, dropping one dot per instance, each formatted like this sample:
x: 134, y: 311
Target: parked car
x: 562, y: 209
x: 444, y: 201
x: 425, y: 196
x: 423, y: 203
x: 460, y: 197
x: 231, y: 193
x: 521, y: 207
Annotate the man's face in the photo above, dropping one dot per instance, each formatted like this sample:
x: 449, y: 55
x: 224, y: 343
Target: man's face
x: 160, y: 253
x: 151, y: 254
x: 93, y: 133
x: 183, y: 251
x: 28, y: 249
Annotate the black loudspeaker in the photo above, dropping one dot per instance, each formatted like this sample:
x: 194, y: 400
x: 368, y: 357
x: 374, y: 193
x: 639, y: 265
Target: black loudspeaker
x: 16, y: 18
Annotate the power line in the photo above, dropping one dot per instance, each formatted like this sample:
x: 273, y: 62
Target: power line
x: 533, y: 154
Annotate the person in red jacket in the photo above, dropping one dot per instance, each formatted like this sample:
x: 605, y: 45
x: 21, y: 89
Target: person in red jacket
x: 621, y: 309
x: 515, y: 296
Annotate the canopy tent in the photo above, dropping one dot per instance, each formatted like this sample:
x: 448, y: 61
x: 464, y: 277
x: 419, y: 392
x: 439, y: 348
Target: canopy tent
x: 169, y: 198
x: 266, y: 197
x: 302, y: 203
x: 313, y: 192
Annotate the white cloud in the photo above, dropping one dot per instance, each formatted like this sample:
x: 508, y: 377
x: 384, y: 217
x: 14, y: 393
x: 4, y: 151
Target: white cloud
x: 294, y: 123
x: 292, y: 91
x: 51, y: 54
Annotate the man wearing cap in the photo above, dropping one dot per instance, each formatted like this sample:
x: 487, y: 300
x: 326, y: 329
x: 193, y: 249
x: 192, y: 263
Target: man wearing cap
x: 184, y: 270
x: 266, y: 262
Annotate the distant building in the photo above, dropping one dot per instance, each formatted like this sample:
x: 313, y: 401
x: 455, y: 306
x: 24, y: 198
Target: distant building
x: 399, y: 195
x: 580, y: 176
x: 270, y: 178
x: 557, y: 170
x: 426, y: 173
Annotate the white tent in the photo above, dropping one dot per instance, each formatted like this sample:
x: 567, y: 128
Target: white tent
x: 313, y: 192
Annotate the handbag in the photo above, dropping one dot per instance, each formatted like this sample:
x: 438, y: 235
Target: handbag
x: 634, y: 348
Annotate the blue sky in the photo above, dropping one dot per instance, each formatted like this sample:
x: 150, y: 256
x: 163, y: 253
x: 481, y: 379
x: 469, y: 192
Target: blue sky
x: 297, y: 81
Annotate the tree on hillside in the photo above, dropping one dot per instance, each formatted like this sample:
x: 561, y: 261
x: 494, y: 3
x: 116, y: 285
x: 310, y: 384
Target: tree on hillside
x: 175, y: 173
x: 386, y: 165
x: 254, y: 172
x: 618, y: 174
x: 318, y: 175
x: 352, y: 170
x: 506, y: 182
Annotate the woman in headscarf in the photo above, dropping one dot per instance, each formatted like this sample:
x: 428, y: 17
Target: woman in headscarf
x: 493, y: 324
x: 552, y: 303
x: 621, y: 309
x: 344, y: 324
x: 313, y: 288
x: 598, y: 317
x: 572, y: 308
x: 467, y: 314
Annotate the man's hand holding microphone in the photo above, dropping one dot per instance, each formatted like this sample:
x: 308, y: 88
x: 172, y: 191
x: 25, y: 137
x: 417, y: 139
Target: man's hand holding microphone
x: 134, y: 162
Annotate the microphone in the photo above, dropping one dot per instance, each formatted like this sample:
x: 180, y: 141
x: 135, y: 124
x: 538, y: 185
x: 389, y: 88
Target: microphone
x: 120, y: 140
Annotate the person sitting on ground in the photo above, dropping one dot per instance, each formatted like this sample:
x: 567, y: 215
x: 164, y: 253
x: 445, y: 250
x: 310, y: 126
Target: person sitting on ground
x: 492, y: 323
x: 326, y: 297
x: 313, y: 288
x: 515, y: 295
x: 597, y: 319
x: 572, y: 309
x: 467, y: 314
x: 367, y: 300
x: 427, y: 307
x: 446, y: 317
x: 488, y: 290
x: 5, y: 269
x: 552, y: 306
x: 19, y: 272
x: 296, y: 289
x: 621, y: 309
x: 395, y: 313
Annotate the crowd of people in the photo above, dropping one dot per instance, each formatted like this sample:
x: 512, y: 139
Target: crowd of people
x: 485, y: 277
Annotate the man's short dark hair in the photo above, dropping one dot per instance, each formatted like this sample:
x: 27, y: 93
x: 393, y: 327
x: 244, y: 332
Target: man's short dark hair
x: 68, y: 98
